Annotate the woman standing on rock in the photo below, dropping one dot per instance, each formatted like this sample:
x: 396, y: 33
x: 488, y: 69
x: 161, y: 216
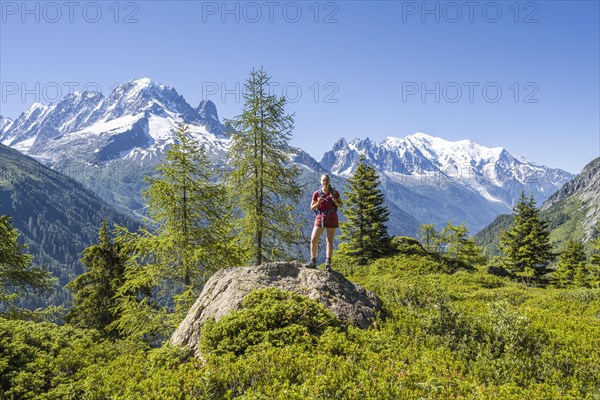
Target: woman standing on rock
x: 325, y: 203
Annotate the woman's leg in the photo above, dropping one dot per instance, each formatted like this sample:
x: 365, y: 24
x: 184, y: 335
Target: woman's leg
x: 330, y: 235
x: 314, y: 240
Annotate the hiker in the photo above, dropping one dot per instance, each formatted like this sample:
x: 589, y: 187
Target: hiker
x: 325, y: 203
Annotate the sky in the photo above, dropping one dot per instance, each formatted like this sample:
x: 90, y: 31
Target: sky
x: 520, y: 75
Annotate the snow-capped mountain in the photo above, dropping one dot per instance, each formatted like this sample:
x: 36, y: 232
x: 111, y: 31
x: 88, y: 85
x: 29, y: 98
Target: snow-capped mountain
x: 438, y: 181
x: 110, y: 143
x: 133, y: 122
x: 5, y: 123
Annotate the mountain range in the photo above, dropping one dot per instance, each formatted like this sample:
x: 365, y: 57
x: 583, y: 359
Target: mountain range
x: 110, y: 143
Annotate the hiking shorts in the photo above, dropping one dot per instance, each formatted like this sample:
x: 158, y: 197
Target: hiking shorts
x: 328, y: 220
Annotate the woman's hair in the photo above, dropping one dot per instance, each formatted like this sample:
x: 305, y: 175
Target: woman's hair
x: 325, y: 176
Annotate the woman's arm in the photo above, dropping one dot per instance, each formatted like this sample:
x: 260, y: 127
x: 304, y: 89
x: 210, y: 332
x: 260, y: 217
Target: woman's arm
x: 338, y: 201
x: 315, y: 204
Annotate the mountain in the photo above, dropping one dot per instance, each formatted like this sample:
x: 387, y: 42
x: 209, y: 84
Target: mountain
x: 572, y: 212
x: 439, y: 181
x: 110, y: 143
x: 133, y: 122
x: 56, y: 216
x: 5, y: 123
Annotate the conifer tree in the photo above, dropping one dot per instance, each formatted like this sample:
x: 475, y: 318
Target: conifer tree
x: 526, y: 246
x: 571, y: 263
x: 17, y: 276
x: 192, y: 238
x: 192, y: 213
x: 365, y: 229
x: 263, y: 181
x: 94, y: 303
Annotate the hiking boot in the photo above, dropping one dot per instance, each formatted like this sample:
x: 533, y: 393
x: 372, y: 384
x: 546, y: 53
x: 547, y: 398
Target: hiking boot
x: 311, y: 264
x: 328, y: 268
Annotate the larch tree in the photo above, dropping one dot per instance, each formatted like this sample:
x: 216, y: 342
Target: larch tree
x: 191, y: 237
x: 263, y: 181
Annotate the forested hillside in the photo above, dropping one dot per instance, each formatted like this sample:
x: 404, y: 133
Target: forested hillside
x: 573, y: 212
x: 56, y: 216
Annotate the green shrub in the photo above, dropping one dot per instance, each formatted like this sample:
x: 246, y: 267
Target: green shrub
x: 407, y: 245
x: 269, y: 316
x: 464, y: 335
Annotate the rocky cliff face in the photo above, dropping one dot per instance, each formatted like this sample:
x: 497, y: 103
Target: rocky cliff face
x: 579, y: 201
x: 225, y: 290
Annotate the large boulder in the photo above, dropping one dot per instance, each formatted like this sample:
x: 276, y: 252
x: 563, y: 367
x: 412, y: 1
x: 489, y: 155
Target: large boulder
x: 226, y: 289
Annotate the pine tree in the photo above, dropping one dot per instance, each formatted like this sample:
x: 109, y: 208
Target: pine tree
x: 365, y: 229
x: 571, y: 263
x: 192, y: 238
x: 17, y: 277
x: 526, y: 246
x: 94, y: 303
x: 263, y: 181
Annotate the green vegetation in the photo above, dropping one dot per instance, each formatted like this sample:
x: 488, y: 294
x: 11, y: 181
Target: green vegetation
x: 262, y: 181
x: 365, y: 232
x: 17, y: 277
x: 192, y: 237
x: 269, y: 317
x: 526, y: 245
x: 571, y: 269
x: 443, y: 333
x: 452, y: 243
x: 57, y: 218
x: 95, y: 290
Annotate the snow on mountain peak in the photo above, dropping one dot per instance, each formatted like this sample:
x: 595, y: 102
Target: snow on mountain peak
x: 340, y: 144
x: 5, y: 124
x: 492, y: 172
x: 36, y: 106
x: 145, y: 81
x: 135, y: 122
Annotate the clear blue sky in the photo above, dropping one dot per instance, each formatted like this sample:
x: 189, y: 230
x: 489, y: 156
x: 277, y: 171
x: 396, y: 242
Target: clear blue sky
x: 364, y: 69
